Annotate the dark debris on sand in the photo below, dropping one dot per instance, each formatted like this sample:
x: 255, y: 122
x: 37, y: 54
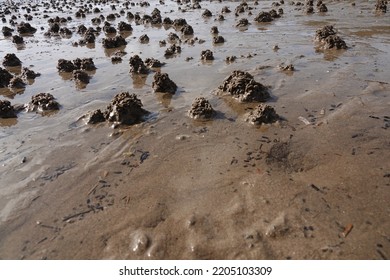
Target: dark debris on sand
x: 124, y: 27
x: 187, y: 30
x: 124, y: 108
x: 268, y: 16
x: 7, y: 110
x: 42, y: 102
x: 137, y: 66
x: 243, y: 22
x: 153, y: 63
x: 381, y: 6
x: 17, y: 82
x: 207, y: 55
x: 242, y: 86
x: 218, y: 39
x: 5, y: 77
x: 25, y: 28
x: 7, y: 32
x: 144, y: 39
x: 201, y: 109
x: 11, y: 59
x: 17, y: 39
x: 214, y: 30
x: 29, y: 74
x: 162, y: 83
x: 116, y: 42
x: 172, y: 50
x: 328, y: 38
x: 81, y: 76
x: 262, y: 114
x: 86, y: 64
x: 335, y: 42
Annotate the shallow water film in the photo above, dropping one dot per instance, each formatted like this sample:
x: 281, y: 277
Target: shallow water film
x: 194, y: 129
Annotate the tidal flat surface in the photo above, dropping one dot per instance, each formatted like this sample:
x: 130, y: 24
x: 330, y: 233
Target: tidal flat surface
x: 313, y: 185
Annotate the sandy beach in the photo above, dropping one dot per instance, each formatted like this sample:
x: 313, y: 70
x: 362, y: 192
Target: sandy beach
x: 165, y: 179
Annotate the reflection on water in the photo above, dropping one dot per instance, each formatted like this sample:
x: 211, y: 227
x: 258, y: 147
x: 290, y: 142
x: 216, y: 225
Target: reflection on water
x: 125, y: 34
x: 90, y: 46
x: 80, y: 85
x: 66, y: 76
x: 331, y: 55
x: 20, y: 47
x: 11, y: 92
x: 16, y: 70
x: 110, y: 52
x: 165, y: 99
x: 8, y: 122
x: 139, y: 80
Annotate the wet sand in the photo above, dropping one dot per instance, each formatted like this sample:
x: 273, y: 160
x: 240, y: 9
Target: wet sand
x: 177, y: 188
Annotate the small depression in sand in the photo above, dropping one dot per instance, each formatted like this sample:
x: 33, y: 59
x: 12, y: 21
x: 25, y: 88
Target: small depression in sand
x: 194, y: 130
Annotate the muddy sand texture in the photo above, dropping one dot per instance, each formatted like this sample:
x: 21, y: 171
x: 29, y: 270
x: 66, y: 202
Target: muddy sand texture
x: 116, y: 42
x: 243, y: 22
x: 17, y: 39
x: 322, y: 8
x: 137, y: 65
x: 123, y: 26
x: 286, y: 67
x: 187, y: 30
x: 328, y: 38
x: 172, y: 50
x: 154, y: 63
x: 124, y: 108
x: 381, y: 6
x: 243, y: 87
x: 89, y: 36
x: 264, y: 17
x: 262, y: 114
x: 42, y: 102
x: 25, y: 28
x: 11, y: 59
x: 17, y: 82
x: 162, y: 83
x: 290, y: 190
x: 144, y: 39
x: 81, y: 76
x: 5, y: 77
x: 7, y: 32
x: 86, y: 64
x: 207, y: 55
x: 173, y: 38
x: 218, y: 40
x: 214, y: 30
x: 6, y: 109
x: 201, y: 109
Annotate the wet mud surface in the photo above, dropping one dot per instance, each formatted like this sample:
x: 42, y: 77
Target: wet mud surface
x: 276, y: 149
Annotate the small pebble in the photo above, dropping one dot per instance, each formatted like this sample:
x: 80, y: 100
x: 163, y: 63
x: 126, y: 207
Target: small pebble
x: 182, y: 137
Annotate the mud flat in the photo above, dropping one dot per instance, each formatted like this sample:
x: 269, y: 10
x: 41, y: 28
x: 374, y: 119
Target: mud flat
x: 277, y: 148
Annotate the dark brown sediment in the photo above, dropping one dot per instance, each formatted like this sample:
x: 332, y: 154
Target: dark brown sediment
x: 115, y: 185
